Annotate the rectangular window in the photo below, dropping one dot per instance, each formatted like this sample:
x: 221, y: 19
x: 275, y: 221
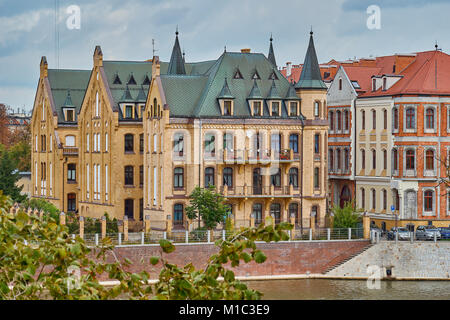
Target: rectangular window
x: 87, y: 142
x: 257, y: 108
x: 155, y: 143
x: 141, y: 143
x: 317, y: 144
x: 275, y: 109
x: 316, y: 178
x: 128, y: 112
x: 70, y: 116
x: 106, y: 182
x: 316, y: 109
x: 293, y: 109
x: 71, y: 172
x: 141, y: 176
x: 87, y: 181
x: 275, y: 142
x: 227, y: 108
x: 155, y: 185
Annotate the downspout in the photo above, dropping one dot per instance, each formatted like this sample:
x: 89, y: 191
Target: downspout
x: 301, y: 178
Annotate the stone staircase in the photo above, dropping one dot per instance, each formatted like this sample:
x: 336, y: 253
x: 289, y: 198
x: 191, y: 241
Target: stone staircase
x: 341, y: 262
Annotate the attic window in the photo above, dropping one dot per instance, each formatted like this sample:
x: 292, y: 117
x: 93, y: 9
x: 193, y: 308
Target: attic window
x: 256, y: 76
x: 117, y: 79
x: 275, y: 109
x: 227, y: 108
x: 146, y: 81
x: 70, y: 115
x: 356, y: 85
x: 238, y: 75
x: 257, y: 108
x: 326, y: 75
x: 273, y: 76
x: 129, y: 112
x: 131, y: 81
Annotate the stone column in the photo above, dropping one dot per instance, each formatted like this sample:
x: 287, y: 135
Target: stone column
x: 103, y: 221
x: 125, y: 228
x: 81, y: 227
x: 169, y: 223
x: 147, y: 223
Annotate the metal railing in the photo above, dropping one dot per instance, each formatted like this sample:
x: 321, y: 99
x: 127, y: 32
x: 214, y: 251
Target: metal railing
x: 210, y: 236
x: 241, y: 191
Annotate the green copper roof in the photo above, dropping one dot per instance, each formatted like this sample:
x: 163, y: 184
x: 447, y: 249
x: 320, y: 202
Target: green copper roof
x: 291, y: 95
x: 68, y: 102
x: 176, y: 65
x: 255, y: 93
x: 63, y: 80
x: 273, y: 93
x: 142, y: 96
x: 126, y: 97
x: 225, y: 93
x: 310, y: 77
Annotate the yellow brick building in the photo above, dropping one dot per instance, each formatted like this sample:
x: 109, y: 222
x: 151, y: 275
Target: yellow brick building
x: 135, y: 138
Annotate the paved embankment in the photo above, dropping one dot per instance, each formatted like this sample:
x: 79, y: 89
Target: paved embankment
x: 415, y: 261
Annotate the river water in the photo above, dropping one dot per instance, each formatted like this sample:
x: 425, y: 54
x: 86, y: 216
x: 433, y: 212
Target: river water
x: 328, y: 289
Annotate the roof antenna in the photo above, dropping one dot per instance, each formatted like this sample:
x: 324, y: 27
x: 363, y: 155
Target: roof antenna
x: 436, y: 46
x: 153, y: 44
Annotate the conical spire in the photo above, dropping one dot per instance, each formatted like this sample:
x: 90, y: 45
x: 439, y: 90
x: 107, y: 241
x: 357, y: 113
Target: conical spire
x: 311, y: 77
x: 271, y: 55
x: 176, y: 65
x: 291, y: 95
x: 255, y: 93
x: 142, y: 97
x: 68, y: 102
x: 225, y: 93
x: 126, y: 97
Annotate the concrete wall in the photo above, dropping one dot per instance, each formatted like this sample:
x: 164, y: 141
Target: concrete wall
x: 282, y: 258
x: 417, y: 260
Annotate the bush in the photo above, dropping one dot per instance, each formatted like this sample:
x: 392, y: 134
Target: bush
x: 43, y: 205
x: 347, y: 217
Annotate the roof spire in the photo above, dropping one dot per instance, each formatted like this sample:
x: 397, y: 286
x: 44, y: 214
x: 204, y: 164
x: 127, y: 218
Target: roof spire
x: 436, y: 45
x: 176, y: 65
x: 311, y: 77
x: 271, y: 55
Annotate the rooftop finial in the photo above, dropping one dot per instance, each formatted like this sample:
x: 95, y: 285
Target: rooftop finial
x: 176, y: 32
x: 311, y: 33
x: 225, y: 49
x: 271, y: 38
x: 436, y: 45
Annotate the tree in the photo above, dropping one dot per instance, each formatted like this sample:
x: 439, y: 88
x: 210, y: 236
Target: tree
x: 346, y: 217
x: 38, y: 260
x: 4, y: 130
x: 9, y: 175
x: 207, y: 205
x: 21, y: 155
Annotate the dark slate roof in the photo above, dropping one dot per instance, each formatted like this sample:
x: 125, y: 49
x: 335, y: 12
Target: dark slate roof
x: 291, y: 95
x: 63, y: 80
x: 310, y: 77
x: 197, y: 96
x: 271, y: 55
x: 273, y: 93
x: 225, y: 93
x: 68, y: 102
x: 255, y: 93
x: 176, y: 65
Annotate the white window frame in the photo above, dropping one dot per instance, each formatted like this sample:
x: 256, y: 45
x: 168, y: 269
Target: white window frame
x: 431, y: 213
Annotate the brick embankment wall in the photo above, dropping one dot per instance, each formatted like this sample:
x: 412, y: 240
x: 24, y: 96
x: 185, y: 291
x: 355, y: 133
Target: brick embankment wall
x: 282, y: 258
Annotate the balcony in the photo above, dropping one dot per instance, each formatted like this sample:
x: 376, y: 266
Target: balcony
x: 70, y: 151
x: 258, y: 192
x: 259, y: 156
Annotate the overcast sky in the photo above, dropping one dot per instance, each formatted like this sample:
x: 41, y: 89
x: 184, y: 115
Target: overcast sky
x: 125, y: 29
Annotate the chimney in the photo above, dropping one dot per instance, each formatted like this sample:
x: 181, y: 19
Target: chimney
x: 246, y: 50
x: 288, y: 69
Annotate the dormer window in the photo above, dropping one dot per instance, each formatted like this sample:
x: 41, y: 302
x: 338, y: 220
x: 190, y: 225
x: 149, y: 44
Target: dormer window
x: 146, y: 81
x: 374, y: 84
x: 256, y: 76
x: 273, y: 76
x: 293, y: 109
x: 257, y: 109
x: 70, y: 115
x: 227, y: 108
x: 117, y: 79
x: 275, y: 109
x: 129, y: 112
x: 384, y: 84
x: 131, y: 81
x: 238, y: 75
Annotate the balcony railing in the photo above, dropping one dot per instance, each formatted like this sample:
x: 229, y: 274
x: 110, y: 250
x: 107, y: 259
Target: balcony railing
x: 259, y: 156
x: 70, y: 151
x: 258, y: 191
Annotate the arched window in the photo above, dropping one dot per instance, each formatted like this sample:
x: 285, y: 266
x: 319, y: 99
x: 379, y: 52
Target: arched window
x: 338, y: 156
x: 275, y: 212
x: 228, y: 141
x: 129, y: 175
x: 276, y: 178
x: 363, y: 198
x: 395, y: 159
x: 257, y: 212
x: 430, y: 118
x: 331, y: 119
x: 374, y: 199
x: 410, y: 118
x: 178, y: 215
x: 428, y: 200
x: 178, y: 144
x: 395, y: 118
x: 363, y: 159
x: 210, y: 144
x: 209, y: 177
x: 363, y: 120
x: 340, y: 84
x: 178, y: 176
x: 339, y: 120
x: 374, y: 159
x: 228, y: 177
x: 429, y: 159
x: 347, y: 160
x: 346, y: 121
x: 70, y: 141
x: 384, y: 159
x: 331, y: 160
x: 374, y: 119
x: 384, y: 199
x: 293, y: 210
x: 410, y: 160
x: 385, y: 119
x: 293, y: 177
x: 129, y: 143
x: 316, y: 109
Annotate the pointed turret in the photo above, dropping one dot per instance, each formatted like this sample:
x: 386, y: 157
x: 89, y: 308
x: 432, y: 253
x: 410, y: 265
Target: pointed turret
x: 273, y: 93
x: 255, y: 93
x: 44, y: 67
x: 225, y: 93
x: 176, y: 65
x: 310, y: 77
x: 126, y: 97
x: 291, y: 95
x: 271, y: 55
x: 142, y: 96
x: 68, y: 102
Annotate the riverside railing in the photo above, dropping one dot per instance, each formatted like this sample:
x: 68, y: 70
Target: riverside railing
x: 210, y: 236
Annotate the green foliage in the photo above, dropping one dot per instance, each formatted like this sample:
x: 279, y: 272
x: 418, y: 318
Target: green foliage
x: 40, y: 204
x: 21, y: 155
x: 208, y: 205
x: 347, y: 217
x: 38, y: 256
x: 9, y: 175
x: 216, y: 281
